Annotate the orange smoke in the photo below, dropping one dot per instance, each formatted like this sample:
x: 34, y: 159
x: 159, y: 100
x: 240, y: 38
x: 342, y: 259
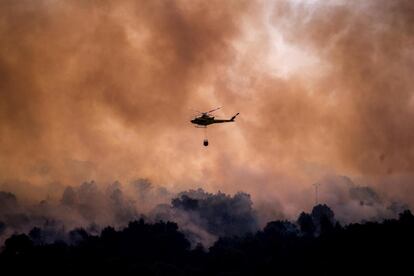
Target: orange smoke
x: 103, y: 90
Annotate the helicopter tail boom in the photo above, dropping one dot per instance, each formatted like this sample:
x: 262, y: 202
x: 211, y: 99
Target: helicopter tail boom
x: 215, y: 121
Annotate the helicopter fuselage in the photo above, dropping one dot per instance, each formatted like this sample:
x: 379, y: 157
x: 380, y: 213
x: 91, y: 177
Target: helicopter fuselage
x: 206, y: 120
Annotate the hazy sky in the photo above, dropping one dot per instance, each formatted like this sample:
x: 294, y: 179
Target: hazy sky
x: 103, y: 90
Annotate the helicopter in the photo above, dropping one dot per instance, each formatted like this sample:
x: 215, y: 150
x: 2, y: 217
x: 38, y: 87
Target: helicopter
x: 204, y: 119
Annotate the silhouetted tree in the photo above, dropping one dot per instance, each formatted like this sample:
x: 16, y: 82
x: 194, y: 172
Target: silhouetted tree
x: 307, y: 227
x: 281, y: 247
x: 323, y: 218
x: 2, y: 227
x: 18, y: 245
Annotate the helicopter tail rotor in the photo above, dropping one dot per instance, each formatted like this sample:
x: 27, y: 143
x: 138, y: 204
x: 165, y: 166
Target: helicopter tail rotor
x: 234, y: 117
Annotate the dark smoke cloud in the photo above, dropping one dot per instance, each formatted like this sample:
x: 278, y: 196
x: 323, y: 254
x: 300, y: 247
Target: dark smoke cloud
x: 355, y: 202
x: 205, y: 217
x: 88, y: 208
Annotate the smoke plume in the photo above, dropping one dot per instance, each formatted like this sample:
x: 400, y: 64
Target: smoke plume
x: 103, y: 91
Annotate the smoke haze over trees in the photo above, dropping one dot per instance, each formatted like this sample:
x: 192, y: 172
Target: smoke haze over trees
x: 316, y: 244
x: 203, y: 217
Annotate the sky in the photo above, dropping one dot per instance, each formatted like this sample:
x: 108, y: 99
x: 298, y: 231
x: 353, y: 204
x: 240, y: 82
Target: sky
x: 105, y: 91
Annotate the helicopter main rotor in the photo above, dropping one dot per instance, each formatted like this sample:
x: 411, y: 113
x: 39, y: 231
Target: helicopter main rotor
x: 207, y: 112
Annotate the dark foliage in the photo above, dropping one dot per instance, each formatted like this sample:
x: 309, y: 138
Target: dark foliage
x: 280, y: 248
